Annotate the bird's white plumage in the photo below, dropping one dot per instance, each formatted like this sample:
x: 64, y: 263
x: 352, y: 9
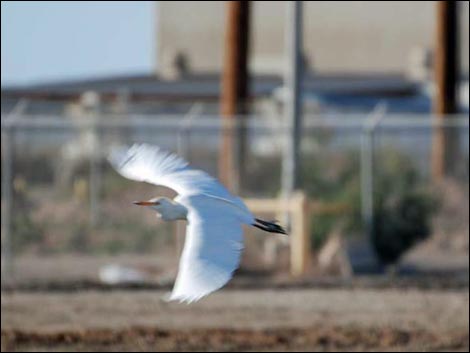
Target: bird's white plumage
x: 151, y: 164
x: 214, y: 236
x: 214, y: 240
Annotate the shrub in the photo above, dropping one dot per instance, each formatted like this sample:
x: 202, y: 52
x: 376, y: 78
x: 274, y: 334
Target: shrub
x: 403, y: 208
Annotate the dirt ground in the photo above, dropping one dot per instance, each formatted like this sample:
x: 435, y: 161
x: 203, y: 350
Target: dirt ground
x: 234, y: 319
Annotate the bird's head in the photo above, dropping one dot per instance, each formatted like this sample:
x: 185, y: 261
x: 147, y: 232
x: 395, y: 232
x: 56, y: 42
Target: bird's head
x: 166, y: 209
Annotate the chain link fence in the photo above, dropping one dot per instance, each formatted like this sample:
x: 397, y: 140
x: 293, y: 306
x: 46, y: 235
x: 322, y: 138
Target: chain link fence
x: 67, y: 216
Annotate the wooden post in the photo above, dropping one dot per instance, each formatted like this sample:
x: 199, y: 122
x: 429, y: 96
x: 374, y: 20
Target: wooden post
x: 299, y: 208
x: 234, y: 94
x: 300, y: 248
x: 445, y: 143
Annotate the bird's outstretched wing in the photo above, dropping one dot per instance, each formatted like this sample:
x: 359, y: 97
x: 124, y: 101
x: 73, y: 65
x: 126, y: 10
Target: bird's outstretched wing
x: 214, y: 236
x: 214, y: 241
x: 143, y: 162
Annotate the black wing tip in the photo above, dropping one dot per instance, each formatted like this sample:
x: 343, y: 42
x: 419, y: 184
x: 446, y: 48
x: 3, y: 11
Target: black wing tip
x: 270, y: 227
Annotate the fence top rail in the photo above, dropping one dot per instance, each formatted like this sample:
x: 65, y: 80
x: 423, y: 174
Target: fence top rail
x: 215, y: 122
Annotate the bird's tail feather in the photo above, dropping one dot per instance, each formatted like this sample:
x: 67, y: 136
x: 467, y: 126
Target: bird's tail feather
x: 269, y: 226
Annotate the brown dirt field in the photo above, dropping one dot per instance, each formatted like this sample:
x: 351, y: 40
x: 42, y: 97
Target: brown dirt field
x: 313, y: 338
x: 231, y: 320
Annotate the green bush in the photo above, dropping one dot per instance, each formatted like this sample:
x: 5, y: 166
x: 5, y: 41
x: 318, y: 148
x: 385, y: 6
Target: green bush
x: 26, y: 232
x: 333, y: 180
x: 400, y: 223
x: 403, y: 208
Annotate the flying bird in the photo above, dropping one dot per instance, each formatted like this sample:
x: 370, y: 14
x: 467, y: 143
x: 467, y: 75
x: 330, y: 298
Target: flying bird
x: 214, y: 235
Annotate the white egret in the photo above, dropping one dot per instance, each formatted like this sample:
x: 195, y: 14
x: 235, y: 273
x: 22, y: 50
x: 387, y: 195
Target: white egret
x: 214, y: 235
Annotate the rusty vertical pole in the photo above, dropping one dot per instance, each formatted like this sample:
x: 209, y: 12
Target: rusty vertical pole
x: 234, y: 93
x: 445, y: 144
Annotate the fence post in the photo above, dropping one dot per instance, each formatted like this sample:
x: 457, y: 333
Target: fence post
x: 184, y: 131
x: 367, y: 169
x: 184, y: 150
x: 95, y: 172
x: 300, y: 248
x: 367, y: 180
x: 7, y: 175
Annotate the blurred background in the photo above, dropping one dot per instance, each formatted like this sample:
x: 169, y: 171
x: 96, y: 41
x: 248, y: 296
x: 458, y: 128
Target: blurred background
x: 347, y: 121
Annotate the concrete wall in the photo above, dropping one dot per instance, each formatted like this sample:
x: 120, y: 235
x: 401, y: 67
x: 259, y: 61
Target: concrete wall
x: 349, y: 36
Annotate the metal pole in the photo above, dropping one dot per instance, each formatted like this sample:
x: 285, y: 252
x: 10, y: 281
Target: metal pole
x: 234, y: 93
x: 367, y: 181
x: 367, y: 169
x: 183, y: 144
x: 7, y: 176
x: 95, y: 177
x: 446, y: 71
x: 95, y: 168
x: 7, y: 189
x: 184, y: 150
x: 293, y: 114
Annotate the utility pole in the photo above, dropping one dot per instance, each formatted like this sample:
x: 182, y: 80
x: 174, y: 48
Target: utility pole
x: 234, y: 94
x: 446, y: 75
x: 292, y: 104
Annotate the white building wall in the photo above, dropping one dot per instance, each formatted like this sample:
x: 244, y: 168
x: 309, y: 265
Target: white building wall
x: 342, y: 36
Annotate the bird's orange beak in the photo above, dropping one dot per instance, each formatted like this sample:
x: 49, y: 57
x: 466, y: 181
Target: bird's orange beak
x: 145, y: 203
